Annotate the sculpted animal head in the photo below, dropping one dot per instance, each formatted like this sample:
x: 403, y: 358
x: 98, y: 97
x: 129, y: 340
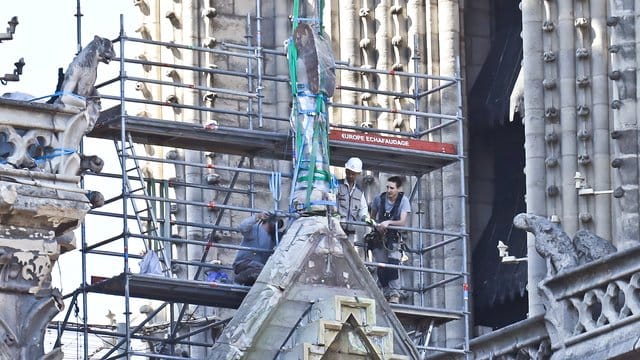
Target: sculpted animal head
x: 532, y: 223
x: 104, y: 49
x: 551, y: 242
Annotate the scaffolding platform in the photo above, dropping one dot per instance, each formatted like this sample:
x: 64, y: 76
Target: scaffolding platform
x: 434, y: 316
x: 229, y: 295
x: 378, y: 152
x: 172, y: 290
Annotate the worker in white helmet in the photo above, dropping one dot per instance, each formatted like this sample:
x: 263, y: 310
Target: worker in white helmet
x: 352, y: 204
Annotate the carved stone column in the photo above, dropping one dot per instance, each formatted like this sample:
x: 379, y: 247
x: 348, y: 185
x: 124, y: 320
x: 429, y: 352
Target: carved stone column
x: 40, y: 203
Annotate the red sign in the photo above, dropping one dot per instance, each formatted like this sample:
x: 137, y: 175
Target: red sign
x: 391, y: 141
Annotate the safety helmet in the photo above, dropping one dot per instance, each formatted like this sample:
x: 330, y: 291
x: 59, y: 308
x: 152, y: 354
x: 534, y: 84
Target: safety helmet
x: 354, y: 164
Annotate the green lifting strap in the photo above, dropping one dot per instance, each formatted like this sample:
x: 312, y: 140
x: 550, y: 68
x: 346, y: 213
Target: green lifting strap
x: 292, y: 52
x: 312, y: 164
x: 320, y: 130
x: 292, y: 56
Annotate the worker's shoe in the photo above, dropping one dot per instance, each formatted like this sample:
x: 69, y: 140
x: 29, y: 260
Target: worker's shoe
x: 393, y: 299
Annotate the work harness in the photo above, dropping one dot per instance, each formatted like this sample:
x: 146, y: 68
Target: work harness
x: 376, y: 239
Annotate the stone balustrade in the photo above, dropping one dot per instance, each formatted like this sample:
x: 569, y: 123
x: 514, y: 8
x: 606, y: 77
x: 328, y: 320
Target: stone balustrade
x: 44, y: 138
x: 592, y: 311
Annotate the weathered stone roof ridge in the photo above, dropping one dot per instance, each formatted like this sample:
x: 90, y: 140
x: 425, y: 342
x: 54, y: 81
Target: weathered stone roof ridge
x: 313, y: 263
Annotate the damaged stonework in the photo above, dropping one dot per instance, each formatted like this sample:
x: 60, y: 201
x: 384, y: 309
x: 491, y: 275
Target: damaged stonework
x: 40, y: 203
x: 34, y: 231
x: 314, y: 286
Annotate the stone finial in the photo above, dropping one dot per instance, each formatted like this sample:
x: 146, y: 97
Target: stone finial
x: 551, y: 114
x: 13, y: 23
x: 582, y: 53
x: 582, y: 81
x: 174, y: 19
x: 549, y: 56
x: 549, y: 84
x: 365, y: 43
x: 144, y: 32
x: 583, y: 110
x: 584, y: 159
x: 551, y: 138
x: 615, y: 75
x: 584, y: 134
x: 581, y: 22
x: 551, y: 162
x: 548, y: 26
x: 613, y: 20
x: 616, y: 104
x: 617, y: 163
x: 142, y: 6
x: 209, y: 12
x: 396, y: 9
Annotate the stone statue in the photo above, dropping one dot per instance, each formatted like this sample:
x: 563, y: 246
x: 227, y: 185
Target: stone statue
x: 40, y: 201
x: 590, y: 246
x: 314, y: 77
x: 80, y: 77
x: 557, y: 248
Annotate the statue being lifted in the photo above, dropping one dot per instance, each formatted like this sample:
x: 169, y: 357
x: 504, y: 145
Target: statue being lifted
x: 312, y: 71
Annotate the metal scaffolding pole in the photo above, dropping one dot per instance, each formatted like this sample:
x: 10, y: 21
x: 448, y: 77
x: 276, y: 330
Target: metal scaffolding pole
x: 255, y: 107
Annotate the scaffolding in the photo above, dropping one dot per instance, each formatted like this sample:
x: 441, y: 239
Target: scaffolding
x: 151, y: 209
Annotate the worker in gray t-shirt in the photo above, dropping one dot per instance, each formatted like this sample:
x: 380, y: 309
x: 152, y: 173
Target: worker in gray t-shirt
x: 391, y: 208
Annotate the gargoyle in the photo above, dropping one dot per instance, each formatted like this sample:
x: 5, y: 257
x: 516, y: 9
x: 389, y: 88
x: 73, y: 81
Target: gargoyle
x: 80, y: 77
x: 555, y: 246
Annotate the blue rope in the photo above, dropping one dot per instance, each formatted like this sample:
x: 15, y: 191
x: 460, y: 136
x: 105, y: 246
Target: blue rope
x: 307, y: 112
x: 274, y: 185
x: 333, y: 184
x: 54, y: 153
x: 58, y: 93
x: 323, y: 202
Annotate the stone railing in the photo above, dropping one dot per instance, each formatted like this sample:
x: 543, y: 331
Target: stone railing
x: 527, y: 339
x: 44, y: 138
x: 593, y: 311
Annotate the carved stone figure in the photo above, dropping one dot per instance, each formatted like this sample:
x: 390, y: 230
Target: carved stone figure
x: 552, y: 243
x: 590, y: 246
x: 80, y: 77
x: 559, y: 250
x: 40, y: 202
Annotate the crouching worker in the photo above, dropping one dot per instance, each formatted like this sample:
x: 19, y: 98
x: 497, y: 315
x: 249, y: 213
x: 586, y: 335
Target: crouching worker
x: 259, y: 232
